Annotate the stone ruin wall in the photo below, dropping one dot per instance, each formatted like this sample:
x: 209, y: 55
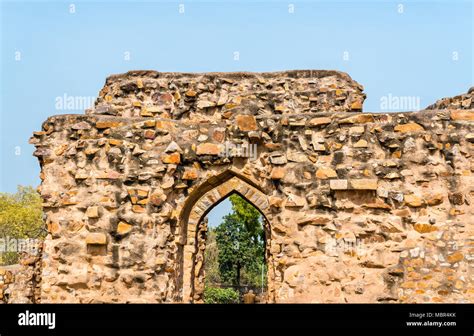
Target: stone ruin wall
x: 360, y: 207
x: 21, y: 283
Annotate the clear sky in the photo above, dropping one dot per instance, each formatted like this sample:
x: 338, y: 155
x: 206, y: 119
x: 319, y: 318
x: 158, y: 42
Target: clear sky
x: 421, y: 49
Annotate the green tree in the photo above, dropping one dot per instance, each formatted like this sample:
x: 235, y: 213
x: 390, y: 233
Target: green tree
x: 240, y: 244
x: 220, y: 295
x: 21, y: 216
x: 248, y: 215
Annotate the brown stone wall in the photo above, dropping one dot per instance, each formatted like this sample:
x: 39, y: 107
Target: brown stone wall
x: 6, y: 279
x: 359, y: 207
x: 462, y: 102
x: 198, y: 96
x: 21, y: 283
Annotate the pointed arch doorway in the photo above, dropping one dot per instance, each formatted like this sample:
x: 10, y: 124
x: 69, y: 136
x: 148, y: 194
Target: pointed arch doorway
x: 198, y: 204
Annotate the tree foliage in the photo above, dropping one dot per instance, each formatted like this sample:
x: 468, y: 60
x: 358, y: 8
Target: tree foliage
x: 247, y: 214
x: 220, y: 295
x: 21, y: 216
x: 240, y: 244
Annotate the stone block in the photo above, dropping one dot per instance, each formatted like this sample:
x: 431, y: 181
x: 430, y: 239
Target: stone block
x: 246, y: 122
x: 356, y: 106
x: 174, y: 158
x: 413, y: 200
x: 455, y: 257
x: 295, y: 201
x: 278, y: 173
x: 107, y: 124
x: 96, y: 238
x: 424, y: 228
x: 319, y: 121
x: 358, y: 119
x: 138, y: 208
x: 462, y: 115
x: 325, y: 173
x: 93, y: 212
x: 356, y: 130
x: 364, y: 184
x: 149, y: 134
x: 321, y: 219
x: 408, y: 128
x: 278, y: 159
x: 208, y: 149
x: 123, y: 228
x: 338, y: 184
x: 190, y: 174
x: 361, y: 144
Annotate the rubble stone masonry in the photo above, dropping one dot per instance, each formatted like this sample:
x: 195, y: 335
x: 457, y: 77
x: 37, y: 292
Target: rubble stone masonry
x: 22, y: 283
x: 358, y: 207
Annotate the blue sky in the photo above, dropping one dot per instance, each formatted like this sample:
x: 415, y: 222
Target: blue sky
x: 423, y: 50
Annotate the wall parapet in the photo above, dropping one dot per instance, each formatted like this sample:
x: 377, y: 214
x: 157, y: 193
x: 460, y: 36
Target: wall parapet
x: 181, y: 95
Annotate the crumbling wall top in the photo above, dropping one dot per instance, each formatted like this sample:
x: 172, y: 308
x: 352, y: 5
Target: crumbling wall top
x: 184, y: 95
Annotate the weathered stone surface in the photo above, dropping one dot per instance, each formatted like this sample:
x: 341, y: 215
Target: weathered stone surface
x: 157, y: 198
x: 358, y: 207
x: 93, y: 212
x: 456, y: 198
x: 208, y: 149
x: 173, y: 147
x: 278, y: 173
x: 339, y: 184
x: 96, y: 239
x: 358, y: 119
x: 319, y: 121
x: 424, y: 228
x: 276, y: 202
x: 174, y: 158
x: 246, y: 122
x: 278, y: 159
x: 364, y: 184
x: 464, y: 101
x: 356, y: 106
x: 356, y: 130
x: 107, y: 124
x: 361, y: 144
x: 295, y: 201
x: 190, y: 174
x: 455, y: 257
x: 325, y: 173
x: 410, y: 127
x: 462, y: 115
x: 296, y: 157
x: 413, y: 200
x: 435, y: 199
x: 315, y: 220
x: 123, y: 228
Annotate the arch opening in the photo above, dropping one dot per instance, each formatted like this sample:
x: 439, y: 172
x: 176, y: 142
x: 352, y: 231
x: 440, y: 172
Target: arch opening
x: 195, y: 228
x: 230, y: 263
